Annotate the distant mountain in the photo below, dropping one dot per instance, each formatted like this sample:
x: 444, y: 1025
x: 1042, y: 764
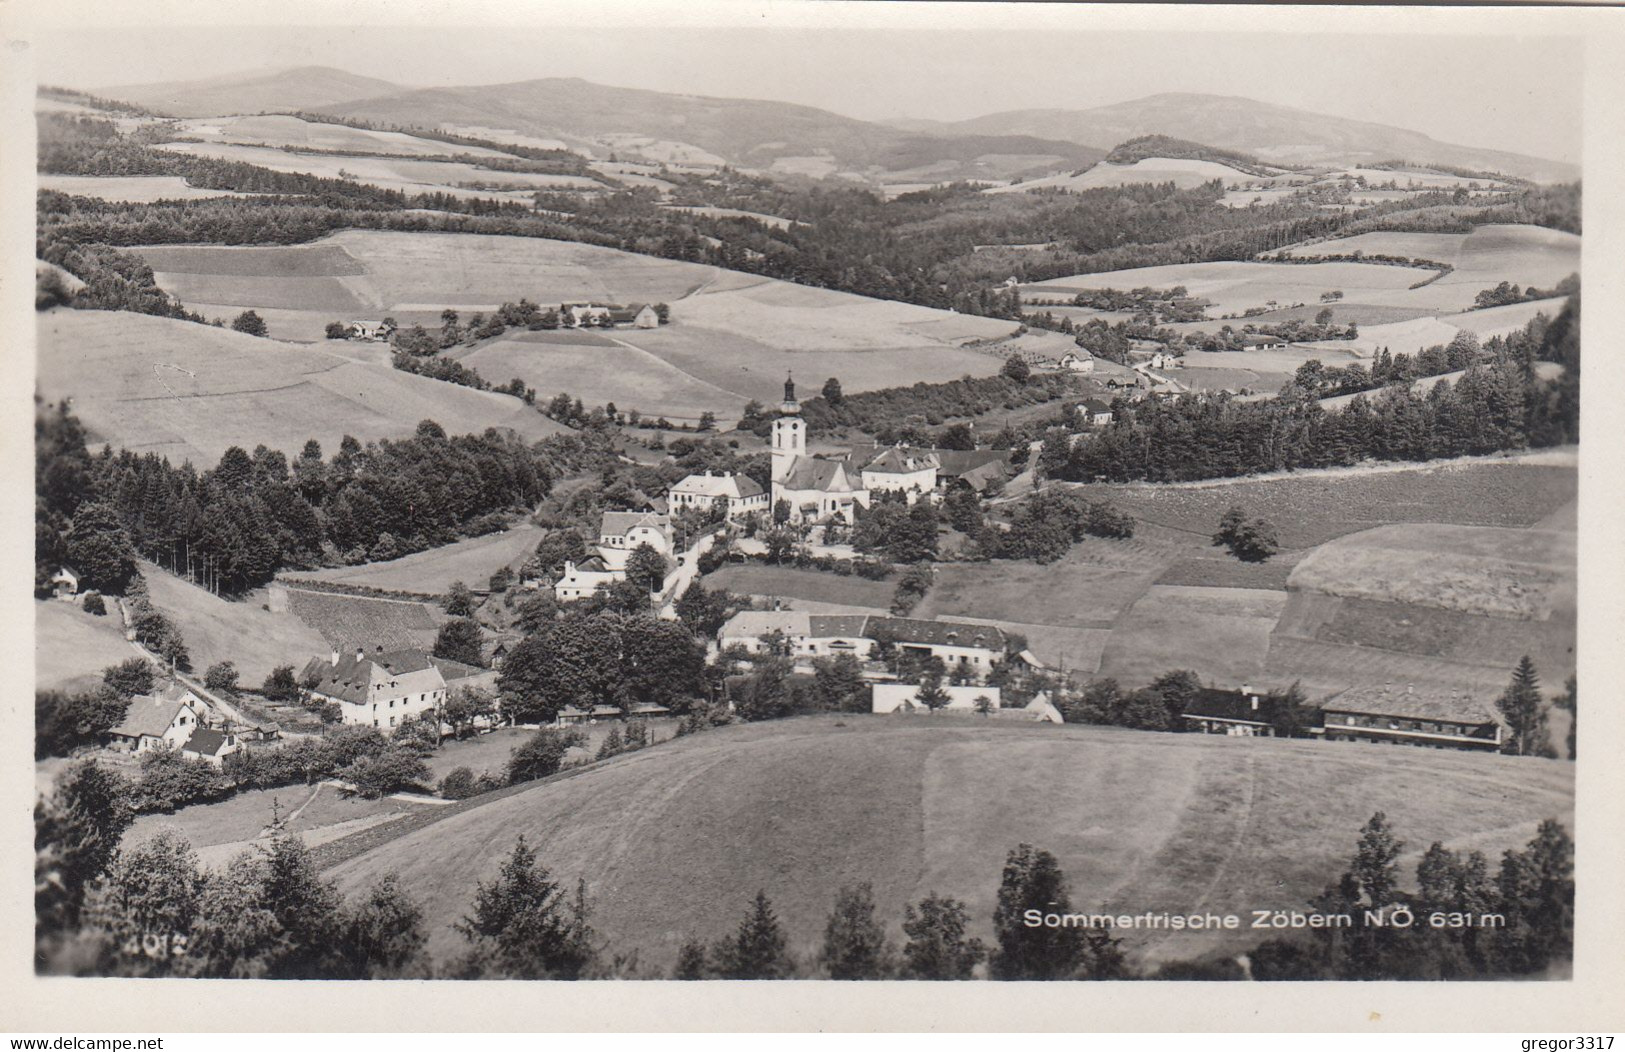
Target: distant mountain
x: 266, y: 91
x: 1265, y: 130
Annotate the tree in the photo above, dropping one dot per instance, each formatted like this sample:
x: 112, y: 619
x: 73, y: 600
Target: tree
x: 1016, y: 368
x: 523, y: 926
x: 574, y: 661
x: 77, y: 828
x: 931, y: 694
x: 63, y: 722
x: 1375, y: 866
x: 840, y: 683
x: 612, y: 744
x: 305, y: 906
x: 396, y: 768
x: 130, y: 677
x: 250, y: 323
x: 692, y: 961
x: 1033, y: 881
x: 99, y: 548
x: 661, y: 663
x: 647, y: 568
x: 937, y: 947
x: 702, y: 610
x: 984, y: 705
x: 1570, y: 702
x: 381, y: 936
x: 458, y: 784
x: 147, y: 904
x: 280, y: 685
x: 466, y: 705
x: 758, y: 948
x: 94, y: 604
x: 460, y: 639
x: 1251, y: 541
x: 1525, y: 712
x: 337, y: 330
x: 854, y: 942
x: 459, y: 600
x: 222, y: 676
x: 832, y: 392
x: 541, y: 755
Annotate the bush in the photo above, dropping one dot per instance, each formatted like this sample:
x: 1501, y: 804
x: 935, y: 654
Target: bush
x: 542, y: 754
x: 129, y: 678
x: 458, y: 785
x: 221, y: 676
x: 392, y: 770
x: 94, y: 604
x: 170, y: 780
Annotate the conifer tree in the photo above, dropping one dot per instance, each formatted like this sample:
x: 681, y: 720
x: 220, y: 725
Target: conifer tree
x: 758, y: 948
x: 855, y: 945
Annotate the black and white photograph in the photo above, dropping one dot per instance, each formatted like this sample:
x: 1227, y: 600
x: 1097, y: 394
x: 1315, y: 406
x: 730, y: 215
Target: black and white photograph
x: 824, y: 492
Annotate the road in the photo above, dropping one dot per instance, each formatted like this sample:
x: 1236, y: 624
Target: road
x: 687, y: 572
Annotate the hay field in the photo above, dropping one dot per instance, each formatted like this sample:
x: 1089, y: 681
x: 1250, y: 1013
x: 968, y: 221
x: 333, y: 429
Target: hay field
x: 72, y: 647
x: 189, y: 392
x: 1183, y: 172
x: 243, y: 632
x: 134, y: 189
x: 280, y: 130
x: 1233, y: 287
x: 610, y: 371
x: 410, y: 175
x: 1222, y: 633
x: 471, y: 561
x: 800, y: 807
x: 1526, y: 575
x: 785, y: 582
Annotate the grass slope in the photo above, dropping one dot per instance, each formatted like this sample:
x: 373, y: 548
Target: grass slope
x: 188, y: 391
x: 244, y: 633
x: 72, y: 647
x: 675, y: 841
x: 471, y: 561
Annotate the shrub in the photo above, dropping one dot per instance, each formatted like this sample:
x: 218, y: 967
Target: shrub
x: 392, y: 770
x: 94, y: 604
x: 221, y: 676
x: 458, y: 785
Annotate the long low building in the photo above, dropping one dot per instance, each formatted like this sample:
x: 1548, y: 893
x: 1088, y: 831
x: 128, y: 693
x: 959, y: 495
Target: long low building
x: 1411, y: 715
x: 796, y: 633
x: 905, y: 698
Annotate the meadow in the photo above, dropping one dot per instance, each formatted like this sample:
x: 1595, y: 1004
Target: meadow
x: 788, y: 583
x: 243, y: 632
x: 72, y: 647
x: 346, y: 621
x: 471, y: 561
x: 800, y: 807
x: 136, y: 189
x: 280, y: 130
x: 1183, y: 172
x: 189, y: 392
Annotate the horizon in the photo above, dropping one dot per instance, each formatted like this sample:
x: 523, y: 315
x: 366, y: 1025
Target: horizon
x: 1523, y: 106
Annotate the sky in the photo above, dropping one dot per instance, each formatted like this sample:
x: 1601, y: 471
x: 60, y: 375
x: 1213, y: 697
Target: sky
x: 1449, y: 78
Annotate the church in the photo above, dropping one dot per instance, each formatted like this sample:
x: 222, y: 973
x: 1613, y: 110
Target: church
x: 816, y: 490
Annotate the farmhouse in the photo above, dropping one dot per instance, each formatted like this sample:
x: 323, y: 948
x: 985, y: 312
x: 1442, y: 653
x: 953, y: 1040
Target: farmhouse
x: 813, y: 488
x: 1078, y: 362
x: 381, y: 689
x: 370, y: 330
x: 904, y: 698
x: 900, y: 470
x: 155, y: 720
x: 1413, y: 715
x: 582, y: 579
x: 1095, y: 413
x: 1238, y: 713
x: 621, y: 532
x: 974, y: 649
x: 65, y: 584
x: 742, y: 494
x: 1263, y: 342
x: 976, y: 468
x: 211, y: 746
x: 636, y: 315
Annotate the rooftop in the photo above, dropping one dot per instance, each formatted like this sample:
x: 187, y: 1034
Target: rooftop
x: 816, y: 473
x: 149, y: 715
x: 1409, y: 700
x: 619, y: 523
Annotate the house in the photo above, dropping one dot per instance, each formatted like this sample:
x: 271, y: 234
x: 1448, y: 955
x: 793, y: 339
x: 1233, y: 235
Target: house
x: 370, y: 330
x: 635, y: 315
x: 1262, y: 342
x: 649, y: 710
x: 580, y: 314
x: 743, y: 495
x: 65, y: 584
x: 570, y: 715
x: 1412, y: 715
x: 905, y: 698
x: 1095, y: 413
x: 211, y: 746
x: 1078, y: 362
x: 900, y: 470
x: 155, y: 720
x: 977, y: 468
x: 460, y: 676
x: 582, y: 579
x: 1240, y: 713
x: 1042, y: 710
x: 814, y: 489
x: 757, y: 630
x: 974, y: 649
x: 379, y: 689
x: 621, y: 532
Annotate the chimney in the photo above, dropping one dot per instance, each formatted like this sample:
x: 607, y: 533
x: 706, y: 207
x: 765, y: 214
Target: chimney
x: 360, y: 652
x: 1246, y: 689
x: 334, y: 657
x: 1255, y: 702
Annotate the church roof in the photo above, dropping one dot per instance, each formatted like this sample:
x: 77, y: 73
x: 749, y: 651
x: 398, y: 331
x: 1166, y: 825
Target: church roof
x: 831, y: 476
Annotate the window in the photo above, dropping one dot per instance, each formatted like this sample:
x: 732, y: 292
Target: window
x: 392, y: 721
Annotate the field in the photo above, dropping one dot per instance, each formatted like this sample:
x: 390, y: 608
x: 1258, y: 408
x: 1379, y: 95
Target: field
x: 1183, y: 172
x: 189, y: 392
x: 732, y: 336
x: 1138, y: 821
x: 294, y: 133
x: 244, y: 633
x: 471, y: 561
x: 72, y: 647
x: 814, y: 585
x: 137, y: 189
x: 733, y: 213
x: 347, y: 620
x: 409, y: 175
x: 1223, y: 633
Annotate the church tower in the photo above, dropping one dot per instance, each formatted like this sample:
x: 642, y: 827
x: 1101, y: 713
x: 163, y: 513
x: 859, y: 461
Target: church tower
x: 789, y: 434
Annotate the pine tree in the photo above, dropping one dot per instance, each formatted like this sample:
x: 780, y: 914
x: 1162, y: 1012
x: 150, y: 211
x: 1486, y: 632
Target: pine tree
x: 854, y: 942
x: 1525, y: 712
x: 758, y: 948
x: 1033, y: 881
x: 937, y: 947
x: 522, y: 926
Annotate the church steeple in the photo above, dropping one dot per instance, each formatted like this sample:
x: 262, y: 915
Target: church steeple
x: 789, y: 435
x: 789, y: 405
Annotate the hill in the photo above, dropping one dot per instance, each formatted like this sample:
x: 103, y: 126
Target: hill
x: 300, y: 88
x: 244, y: 633
x: 673, y: 842
x: 732, y: 336
x: 1265, y: 130
x: 189, y: 391
x: 72, y: 647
